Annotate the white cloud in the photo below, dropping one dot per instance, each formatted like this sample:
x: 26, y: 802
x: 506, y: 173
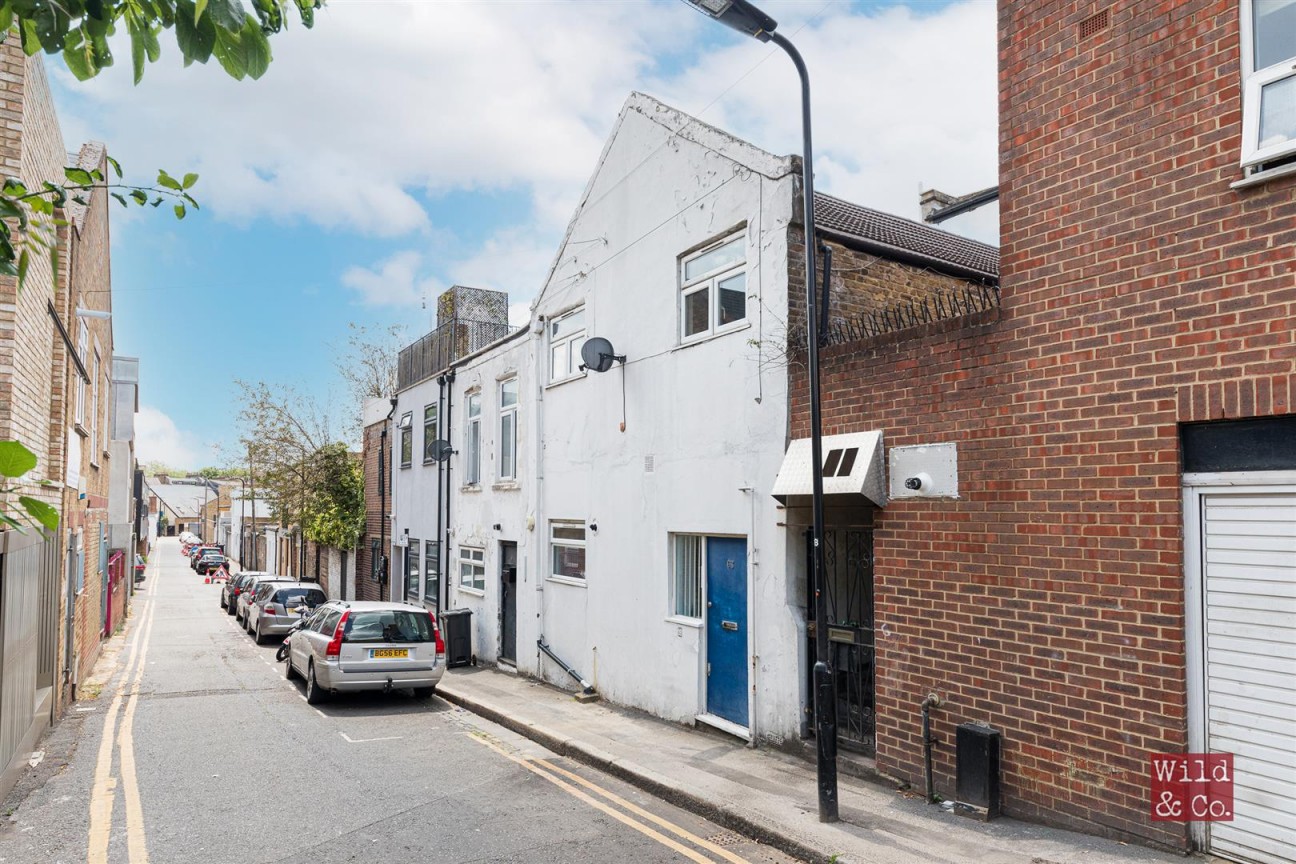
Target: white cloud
x: 385, y: 102
x: 158, y: 439
x: 397, y: 281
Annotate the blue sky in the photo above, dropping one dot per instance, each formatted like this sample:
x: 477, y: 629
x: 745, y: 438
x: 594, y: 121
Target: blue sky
x: 401, y: 147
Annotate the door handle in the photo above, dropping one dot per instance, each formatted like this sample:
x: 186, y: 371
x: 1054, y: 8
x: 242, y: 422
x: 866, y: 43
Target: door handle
x: 729, y: 625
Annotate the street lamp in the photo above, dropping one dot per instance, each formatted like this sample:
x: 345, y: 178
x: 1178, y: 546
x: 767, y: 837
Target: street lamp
x: 746, y: 18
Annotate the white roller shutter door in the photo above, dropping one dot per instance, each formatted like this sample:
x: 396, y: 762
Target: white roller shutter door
x: 1249, y: 572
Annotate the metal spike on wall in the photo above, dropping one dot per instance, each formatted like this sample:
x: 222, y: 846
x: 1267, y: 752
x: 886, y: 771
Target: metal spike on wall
x: 968, y: 299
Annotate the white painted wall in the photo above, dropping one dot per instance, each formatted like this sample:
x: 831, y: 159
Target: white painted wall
x: 473, y: 510
x: 712, y: 416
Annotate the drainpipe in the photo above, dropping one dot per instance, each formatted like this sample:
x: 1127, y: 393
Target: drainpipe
x: 383, y: 574
x: 449, y: 496
x: 932, y: 701
x: 588, y: 687
x: 443, y: 576
x: 537, y: 526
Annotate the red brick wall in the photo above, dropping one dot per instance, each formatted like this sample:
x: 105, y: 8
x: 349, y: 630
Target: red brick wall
x: 1139, y: 291
x: 367, y: 587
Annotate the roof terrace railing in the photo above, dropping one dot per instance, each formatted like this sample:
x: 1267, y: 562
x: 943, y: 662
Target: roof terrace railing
x: 434, y: 352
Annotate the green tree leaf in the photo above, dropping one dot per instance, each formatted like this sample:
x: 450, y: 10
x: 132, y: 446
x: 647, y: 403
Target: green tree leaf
x: 256, y: 49
x: 121, y: 199
x: 24, y: 261
x: 140, y: 196
x: 199, y: 8
x: 228, y: 14
x: 229, y: 53
x: 196, y: 37
x: 79, y: 176
x: 180, y: 211
x: 138, y: 49
x: 15, y: 459
x: 47, y: 516
x: 166, y: 181
x: 189, y: 180
x: 115, y: 166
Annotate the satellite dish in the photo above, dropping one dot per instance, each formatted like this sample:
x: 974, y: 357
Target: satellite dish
x: 439, y: 450
x: 597, y: 355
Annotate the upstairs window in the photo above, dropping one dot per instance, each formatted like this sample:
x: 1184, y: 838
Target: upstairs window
x: 94, y: 410
x: 83, y: 346
x: 508, y: 412
x: 406, y: 440
x: 430, y: 431
x: 1269, y: 81
x: 713, y: 289
x: 472, y: 441
x: 566, y: 337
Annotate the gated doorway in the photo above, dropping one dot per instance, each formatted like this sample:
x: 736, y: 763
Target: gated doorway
x: 848, y: 565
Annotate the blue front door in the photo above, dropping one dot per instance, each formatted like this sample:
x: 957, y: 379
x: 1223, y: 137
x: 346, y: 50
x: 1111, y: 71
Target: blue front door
x: 726, y: 579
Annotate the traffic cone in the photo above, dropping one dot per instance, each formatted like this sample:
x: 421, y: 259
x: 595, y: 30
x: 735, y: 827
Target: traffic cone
x: 206, y: 580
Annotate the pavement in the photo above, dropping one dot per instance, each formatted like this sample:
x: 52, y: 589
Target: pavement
x: 198, y: 750
x: 769, y: 795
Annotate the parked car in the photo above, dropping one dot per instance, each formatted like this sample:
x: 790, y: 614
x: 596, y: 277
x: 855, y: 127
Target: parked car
x: 367, y: 645
x: 197, y: 552
x: 249, y: 591
x: 209, y: 562
x: 234, y: 586
x: 273, y: 610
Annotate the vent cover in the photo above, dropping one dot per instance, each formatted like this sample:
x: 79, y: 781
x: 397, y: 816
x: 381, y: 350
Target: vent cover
x: 1095, y: 24
x: 648, y: 464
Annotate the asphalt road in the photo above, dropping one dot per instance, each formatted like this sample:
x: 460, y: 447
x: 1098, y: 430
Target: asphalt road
x: 212, y: 756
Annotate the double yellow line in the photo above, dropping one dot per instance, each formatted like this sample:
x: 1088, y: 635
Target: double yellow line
x: 105, y: 784
x: 554, y: 774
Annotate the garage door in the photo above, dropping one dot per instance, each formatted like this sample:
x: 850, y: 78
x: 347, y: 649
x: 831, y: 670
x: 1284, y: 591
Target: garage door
x: 1249, y: 571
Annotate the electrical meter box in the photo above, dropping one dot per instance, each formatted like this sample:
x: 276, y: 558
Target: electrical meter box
x: 924, y: 471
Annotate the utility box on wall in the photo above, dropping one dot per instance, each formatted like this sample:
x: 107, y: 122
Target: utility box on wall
x: 977, y: 764
x: 924, y: 471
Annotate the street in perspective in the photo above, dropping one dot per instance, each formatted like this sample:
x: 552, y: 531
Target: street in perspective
x: 658, y: 430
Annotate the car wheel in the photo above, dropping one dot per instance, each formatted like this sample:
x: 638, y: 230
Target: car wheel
x: 229, y: 609
x: 257, y: 633
x: 223, y: 604
x: 424, y: 692
x: 314, y: 695
x: 289, y: 672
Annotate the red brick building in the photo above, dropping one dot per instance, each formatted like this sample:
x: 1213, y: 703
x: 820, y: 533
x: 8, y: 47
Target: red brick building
x: 370, y: 575
x: 1116, y: 576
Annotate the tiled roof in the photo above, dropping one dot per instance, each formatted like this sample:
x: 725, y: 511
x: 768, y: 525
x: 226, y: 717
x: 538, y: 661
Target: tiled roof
x: 883, y: 231
x: 182, y: 497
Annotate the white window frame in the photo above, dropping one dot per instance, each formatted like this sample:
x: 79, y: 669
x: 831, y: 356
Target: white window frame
x: 472, y: 569
x: 83, y: 347
x: 508, y: 414
x: 435, y: 426
x: 1253, y: 82
x: 693, y: 614
x: 94, y: 408
x: 567, y: 543
x: 406, y: 427
x: 569, y: 344
x: 710, y: 281
x: 472, y: 439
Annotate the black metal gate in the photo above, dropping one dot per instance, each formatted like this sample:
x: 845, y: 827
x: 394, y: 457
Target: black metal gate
x: 848, y: 566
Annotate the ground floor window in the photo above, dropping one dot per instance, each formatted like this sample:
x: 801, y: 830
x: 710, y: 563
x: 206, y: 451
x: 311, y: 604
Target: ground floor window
x: 472, y: 568
x: 412, y: 552
x: 686, y: 580
x: 432, y: 572
x: 567, y: 540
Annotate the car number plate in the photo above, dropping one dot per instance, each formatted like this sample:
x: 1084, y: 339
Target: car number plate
x: 389, y: 653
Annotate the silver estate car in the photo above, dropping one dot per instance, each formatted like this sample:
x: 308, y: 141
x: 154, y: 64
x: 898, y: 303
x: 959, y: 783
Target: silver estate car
x: 273, y: 610
x: 249, y: 591
x: 367, y: 645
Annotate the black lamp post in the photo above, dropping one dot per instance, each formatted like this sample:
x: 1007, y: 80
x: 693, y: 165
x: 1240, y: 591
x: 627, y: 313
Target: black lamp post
x: 746, y: 18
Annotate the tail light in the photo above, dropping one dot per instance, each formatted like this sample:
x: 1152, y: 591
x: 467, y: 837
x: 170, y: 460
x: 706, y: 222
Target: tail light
x: 271, y: 609
x: 436, y: 631
x: 334, y: 648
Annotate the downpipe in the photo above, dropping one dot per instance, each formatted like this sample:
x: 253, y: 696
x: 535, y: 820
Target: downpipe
x: 589, y: 688
x: 932, y: 701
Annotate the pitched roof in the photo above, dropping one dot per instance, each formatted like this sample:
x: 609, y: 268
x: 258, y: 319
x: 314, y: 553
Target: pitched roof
x: 182, y: 497
x: 889, y: 235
